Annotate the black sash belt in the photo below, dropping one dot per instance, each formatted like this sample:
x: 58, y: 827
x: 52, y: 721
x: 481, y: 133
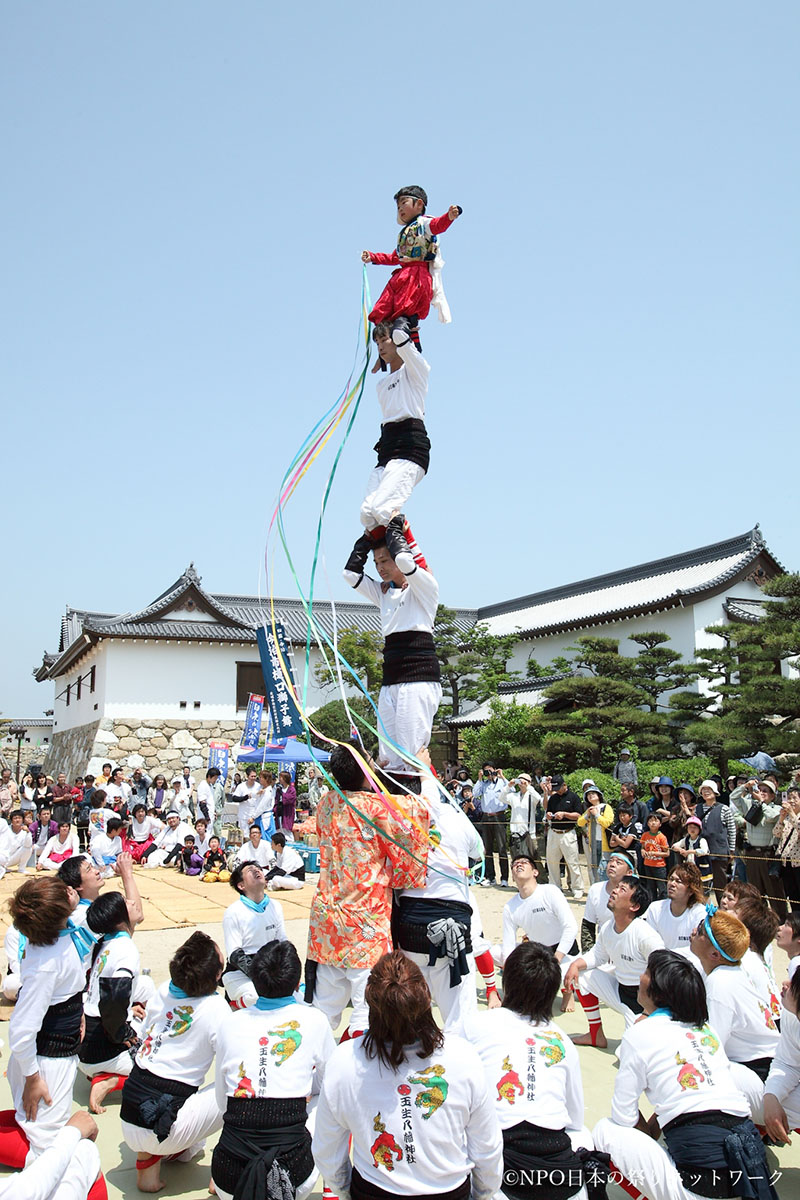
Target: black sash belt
x: 363, y: 1189
x: 539, y: 1162
x: 152, y: 1102
x: 410, y: 657
x: 629, y: 995
x: 404, y: 439
x: 409, y: 929
x: 60, y: 1034
x: 719, y: 1155
x: 256, y: 1134
x: 97, y: 1046
x: 760, y: 1066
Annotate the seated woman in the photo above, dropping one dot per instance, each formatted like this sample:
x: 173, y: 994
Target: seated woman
x: 110, y: 1041
x: 269, y: 1059
x: 165, y: 1111
x: 416, y: 1103
x: 782, y: 1089
x: 533, y: 1072
x: 139, y: 838
x: 59, y: 848
x: 45, y: 1028
x: 677, y: 1059
x: 742, y: 1021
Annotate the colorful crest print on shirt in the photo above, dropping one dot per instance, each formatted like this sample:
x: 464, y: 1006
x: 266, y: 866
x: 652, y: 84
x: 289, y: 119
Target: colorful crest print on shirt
x: 290, y: 1041
x: 436, y: 1088
x: 384, y: 1147
x: 244, y: 1088
x: 182, y: 1017
x: 508, y: 1085
x: 709, y: 1040
x: 552, y: 1050
x: 689, y: 1077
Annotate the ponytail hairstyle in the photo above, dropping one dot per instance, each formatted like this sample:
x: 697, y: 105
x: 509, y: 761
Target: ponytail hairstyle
x: 399, y: 1012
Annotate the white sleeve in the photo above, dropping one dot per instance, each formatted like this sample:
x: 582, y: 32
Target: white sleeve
x: 784, y: 1074
x: 509, y: 932
x: 720, y: 1018
x: 365, y: 585
x: 280, y: 932
x: 417, y: 368
x: 598, y: 955
x: 421, y: 582
x: 569, y: 926
x: 69, y: 1165
x: 26, y: 1020
x: 649, y: 939
x: 628, y: 1086
x: 484, y: 1141
x: 231, y: 932
x: 330, y: 1143
x: 220, y: 1091
x: 574, y: 1095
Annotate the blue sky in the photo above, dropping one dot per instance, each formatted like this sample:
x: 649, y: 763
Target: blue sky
x: 187, y: 190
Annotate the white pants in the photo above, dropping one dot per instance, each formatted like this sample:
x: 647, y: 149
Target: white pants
x: 564, y: 845
x: 119, y: 1065
x: 388, y: 488
x: 603, y: 984
x: 239, y: 987
x: 458, y: 1005
x: 641, y: 1160
x: 244, y: 817
x: 18, y: 858
x: 406, y: 711
x: 59, y: 1075
x: 285, y: 883
x: 334, y: 987
x: 197, y: 1119
x: 753, y: 1088
x: 40, y: 1178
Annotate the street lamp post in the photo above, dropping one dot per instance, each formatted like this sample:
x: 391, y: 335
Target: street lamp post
x: 18, y: 732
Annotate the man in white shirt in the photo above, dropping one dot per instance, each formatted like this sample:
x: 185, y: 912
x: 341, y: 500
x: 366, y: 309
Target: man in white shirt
x: 205, y: 795
x: 248, y: 924
x: 169, y: 841
x: 256, y: 850
x: 540, y: 911
x: 407, y: 596
x: 625, y: 943
x: 289, y: 871
x: 105, y: 847
x: 16, y: 844
x: 246, y: 795
x: 117, y: 788
x: 523, y: 803
x: 490, y: 796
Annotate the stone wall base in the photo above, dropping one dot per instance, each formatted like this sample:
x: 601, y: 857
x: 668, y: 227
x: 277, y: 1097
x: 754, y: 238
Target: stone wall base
x: 163, y: 747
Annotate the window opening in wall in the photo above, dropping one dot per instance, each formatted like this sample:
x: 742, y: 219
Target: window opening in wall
x: 248, y: 679
x: 69, y: 688
x: 182, y: 704
x: 197, y: 703
x: 92, y: 675
x: 78, y: 688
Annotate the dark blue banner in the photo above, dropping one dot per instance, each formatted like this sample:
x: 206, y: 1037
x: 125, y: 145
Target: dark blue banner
x: 218, y: 757
x: 252, y: 722
x: 282, y: 705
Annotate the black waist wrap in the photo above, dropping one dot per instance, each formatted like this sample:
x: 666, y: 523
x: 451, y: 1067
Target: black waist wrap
x: 628, y: 994
x: 539, y: 1162
x: 719, y: 1155
x: 412, y: 918
x: 404, y: 439
x: 152, y: 1102
x: 410, y: 657
x: 760, y: 1067
x: 364, y: 1189
x: 256, y: 1133
x: 60, y: 1034
x: 97, y: 1046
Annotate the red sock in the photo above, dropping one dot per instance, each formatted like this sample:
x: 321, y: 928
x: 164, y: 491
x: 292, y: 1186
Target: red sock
x: 616, y: 1176
x: 98, y: 1190
x: 591, y: 1006
x: 485, y: 964
x: 118, y: 1086
x: 14, y: 1145
x: 416, y: 553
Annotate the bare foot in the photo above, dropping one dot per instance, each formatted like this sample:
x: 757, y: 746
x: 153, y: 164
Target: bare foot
x: 148, y: 1180
x: 211, y: 1188
x: 568, y: 1001
x: 585, y: 1039
x: 99, y: 1092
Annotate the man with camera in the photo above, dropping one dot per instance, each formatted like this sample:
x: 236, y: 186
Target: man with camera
x: 490, y: 794
x: 756, y: 808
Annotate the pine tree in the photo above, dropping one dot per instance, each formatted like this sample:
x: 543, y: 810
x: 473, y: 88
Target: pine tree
x: 474, y: 662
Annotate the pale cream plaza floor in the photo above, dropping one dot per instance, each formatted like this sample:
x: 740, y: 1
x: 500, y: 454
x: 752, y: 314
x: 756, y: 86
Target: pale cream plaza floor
x: 176, y: 904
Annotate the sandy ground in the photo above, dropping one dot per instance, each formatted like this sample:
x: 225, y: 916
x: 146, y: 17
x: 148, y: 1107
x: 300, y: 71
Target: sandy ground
x: 176, y: 904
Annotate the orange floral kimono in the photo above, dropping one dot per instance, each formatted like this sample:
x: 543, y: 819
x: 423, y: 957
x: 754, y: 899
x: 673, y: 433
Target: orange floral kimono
x: 350, y: 919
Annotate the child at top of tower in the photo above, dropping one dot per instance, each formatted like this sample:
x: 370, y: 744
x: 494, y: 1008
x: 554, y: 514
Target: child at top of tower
x: 417, y: 282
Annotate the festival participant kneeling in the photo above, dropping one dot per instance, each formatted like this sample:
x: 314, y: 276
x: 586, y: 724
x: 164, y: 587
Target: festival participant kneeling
x: 165, y: 1109
x: 533, y: 1072
x: 415, y: 1101
x: 676, y: 917
x: 248, y: 924
x: 115, y: 987
x: 45, y: 1027
x: 68, y: 1170
x: 597, y: 913
x: 289, y: 870
x: 624, y: 942
x: 270, y: 1058
x: 742, y: 1021
x: 676, y: 1058
x: 781, y: 1113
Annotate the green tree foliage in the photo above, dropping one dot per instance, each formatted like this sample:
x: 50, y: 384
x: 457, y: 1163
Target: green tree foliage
x: 657, y: 669
x: 332, y: 720
x: 363, y: 650
x: 474, y: 662
x: 754, y: 698
x: 511, y: 737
